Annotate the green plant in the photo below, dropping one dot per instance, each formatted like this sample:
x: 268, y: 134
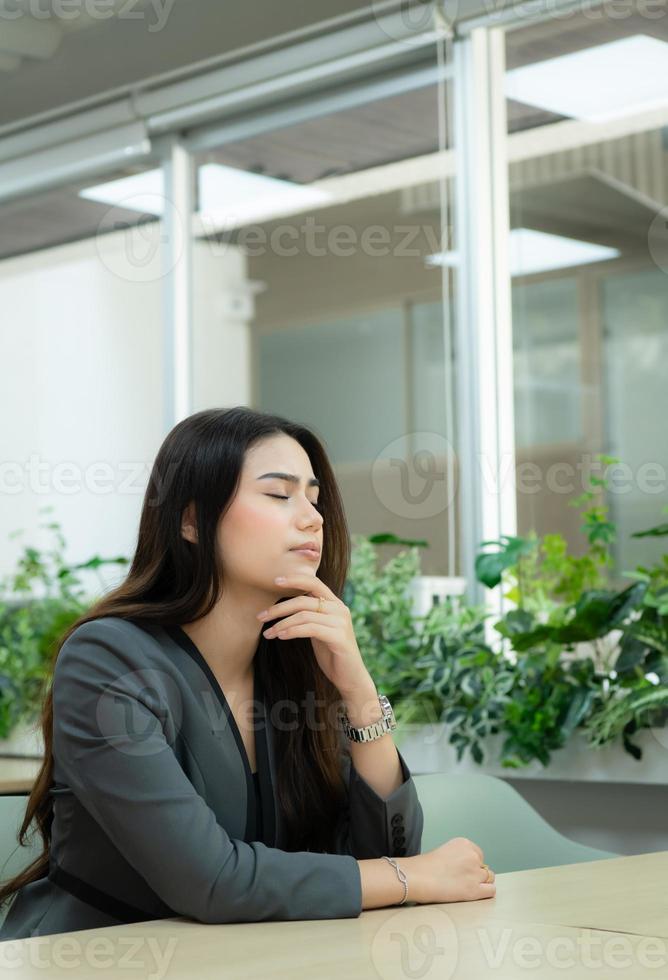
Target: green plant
x: 32, y: 623
x: 541, y: 575
x: 564, y: 606
x: 640, y: 695
x: 471, y: 681
x: 381, y: 611
x: 434, y: 667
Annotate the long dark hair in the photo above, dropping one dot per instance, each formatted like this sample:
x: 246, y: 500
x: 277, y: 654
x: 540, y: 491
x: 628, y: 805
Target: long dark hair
x: 171, y: 582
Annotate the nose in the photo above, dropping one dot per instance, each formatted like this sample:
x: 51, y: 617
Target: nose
x: 315, y: 518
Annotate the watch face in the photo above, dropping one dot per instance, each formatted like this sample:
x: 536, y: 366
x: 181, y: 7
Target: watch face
x: 386, y: 706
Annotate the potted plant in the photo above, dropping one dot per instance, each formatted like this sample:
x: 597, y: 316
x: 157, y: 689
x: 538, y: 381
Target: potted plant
x: 585, y: 663
x: 595, y: 656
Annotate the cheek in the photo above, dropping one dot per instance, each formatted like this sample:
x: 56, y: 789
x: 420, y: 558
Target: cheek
x: 254, y: 528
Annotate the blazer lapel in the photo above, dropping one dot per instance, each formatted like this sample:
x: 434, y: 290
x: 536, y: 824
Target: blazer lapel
x: 265, y: 765
x: 263, y: 743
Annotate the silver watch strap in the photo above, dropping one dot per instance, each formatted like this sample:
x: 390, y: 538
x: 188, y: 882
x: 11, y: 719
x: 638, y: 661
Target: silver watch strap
x: 373, y: 731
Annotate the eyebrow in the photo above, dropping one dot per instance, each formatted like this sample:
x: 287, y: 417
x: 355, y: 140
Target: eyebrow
x: 290, y: 477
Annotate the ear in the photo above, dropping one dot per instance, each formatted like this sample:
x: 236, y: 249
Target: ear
x: 188, y: 524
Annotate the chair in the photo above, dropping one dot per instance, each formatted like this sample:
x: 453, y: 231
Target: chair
x: 13, y: 857
x: 491, y: 813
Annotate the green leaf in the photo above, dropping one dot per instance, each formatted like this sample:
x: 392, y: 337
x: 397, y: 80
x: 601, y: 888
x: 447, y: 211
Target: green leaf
x: 489, y: 567
x: 599, y: 611
x: 454, y: 715
x: 632, y: 749
x: 513, y: 627
x: 660, y: 531
x: 631, y: 653
x: 578, y: 708
x: 393, y: 539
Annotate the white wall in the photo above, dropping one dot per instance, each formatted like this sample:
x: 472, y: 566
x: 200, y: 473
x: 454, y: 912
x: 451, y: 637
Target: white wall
x: 81, y: 395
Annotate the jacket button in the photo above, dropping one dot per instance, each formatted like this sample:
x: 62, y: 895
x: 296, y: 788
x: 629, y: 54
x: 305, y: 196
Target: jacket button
x: 396, y: 819
x: 399, y: 840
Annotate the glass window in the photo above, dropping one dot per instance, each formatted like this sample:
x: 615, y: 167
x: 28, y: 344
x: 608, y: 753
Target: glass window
x: 589, y: 260
x: 330, y: 230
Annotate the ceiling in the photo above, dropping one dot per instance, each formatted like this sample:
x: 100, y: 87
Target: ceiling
x: 385, y: 130
x: 47, y: 62
x: 54, y: 64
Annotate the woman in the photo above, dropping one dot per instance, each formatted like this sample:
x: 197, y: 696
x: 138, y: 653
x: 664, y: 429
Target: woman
x: 158, y: 795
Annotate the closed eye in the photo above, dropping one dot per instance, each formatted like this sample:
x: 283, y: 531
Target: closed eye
x: 279, y: 497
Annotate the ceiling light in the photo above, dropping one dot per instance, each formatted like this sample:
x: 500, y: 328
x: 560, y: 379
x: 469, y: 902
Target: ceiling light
x: 251, y: 197
x: 237, y: 194
x: 604, y: 82
x: 140, y: 192
x: 536, y: 251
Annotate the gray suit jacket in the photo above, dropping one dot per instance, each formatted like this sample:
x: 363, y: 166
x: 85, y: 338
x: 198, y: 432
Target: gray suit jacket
x: 154, y: 803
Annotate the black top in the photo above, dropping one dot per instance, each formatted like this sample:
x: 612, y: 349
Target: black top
x: 258, y: 804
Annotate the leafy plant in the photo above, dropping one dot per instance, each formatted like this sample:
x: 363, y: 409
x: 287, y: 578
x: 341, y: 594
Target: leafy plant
x: 32, y: 623
x: 581, y: 652
x: 472, y: 681
x: 382, y: 613
x: 541, y: 575
x: 564, y: 606
x: 640, y: 696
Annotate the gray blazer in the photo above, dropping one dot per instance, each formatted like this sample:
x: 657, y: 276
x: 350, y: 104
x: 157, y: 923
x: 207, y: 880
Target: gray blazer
x: 155, y: 813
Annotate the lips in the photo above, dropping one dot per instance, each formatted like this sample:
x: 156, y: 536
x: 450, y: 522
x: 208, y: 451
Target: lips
x: 308, y: 551
x: 311, y: 546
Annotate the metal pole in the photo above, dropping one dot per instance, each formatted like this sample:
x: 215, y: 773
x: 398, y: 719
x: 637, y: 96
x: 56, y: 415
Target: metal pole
x: 484, y: 329
x: 177, y: 294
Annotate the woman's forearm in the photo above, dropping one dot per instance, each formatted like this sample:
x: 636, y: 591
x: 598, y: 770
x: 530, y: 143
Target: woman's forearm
x: 377, y: 762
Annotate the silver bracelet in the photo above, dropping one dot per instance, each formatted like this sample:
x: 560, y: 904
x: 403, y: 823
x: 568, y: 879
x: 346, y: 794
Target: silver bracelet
x: 401, y: 876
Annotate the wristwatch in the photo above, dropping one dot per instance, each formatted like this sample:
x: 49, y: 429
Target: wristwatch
x: 370, y: 732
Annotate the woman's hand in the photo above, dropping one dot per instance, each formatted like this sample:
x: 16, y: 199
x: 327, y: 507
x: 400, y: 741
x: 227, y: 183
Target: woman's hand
x: 330, y: 631
x: 452, y: 872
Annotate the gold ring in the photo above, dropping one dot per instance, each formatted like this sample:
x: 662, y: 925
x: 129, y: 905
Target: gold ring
x: 321, y: 603
x: 488, y: 878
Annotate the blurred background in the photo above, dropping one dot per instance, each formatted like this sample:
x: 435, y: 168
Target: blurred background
x: 435, y: 232
x: 312, y: 210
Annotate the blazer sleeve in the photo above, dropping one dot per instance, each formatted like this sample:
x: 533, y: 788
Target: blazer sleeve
x: 371, y: 826
x: 137, y: 791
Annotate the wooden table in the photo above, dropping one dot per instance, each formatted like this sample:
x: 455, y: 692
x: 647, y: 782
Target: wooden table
x: 623, y: 894
x: 601, y: 919
x: 17, y: 774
